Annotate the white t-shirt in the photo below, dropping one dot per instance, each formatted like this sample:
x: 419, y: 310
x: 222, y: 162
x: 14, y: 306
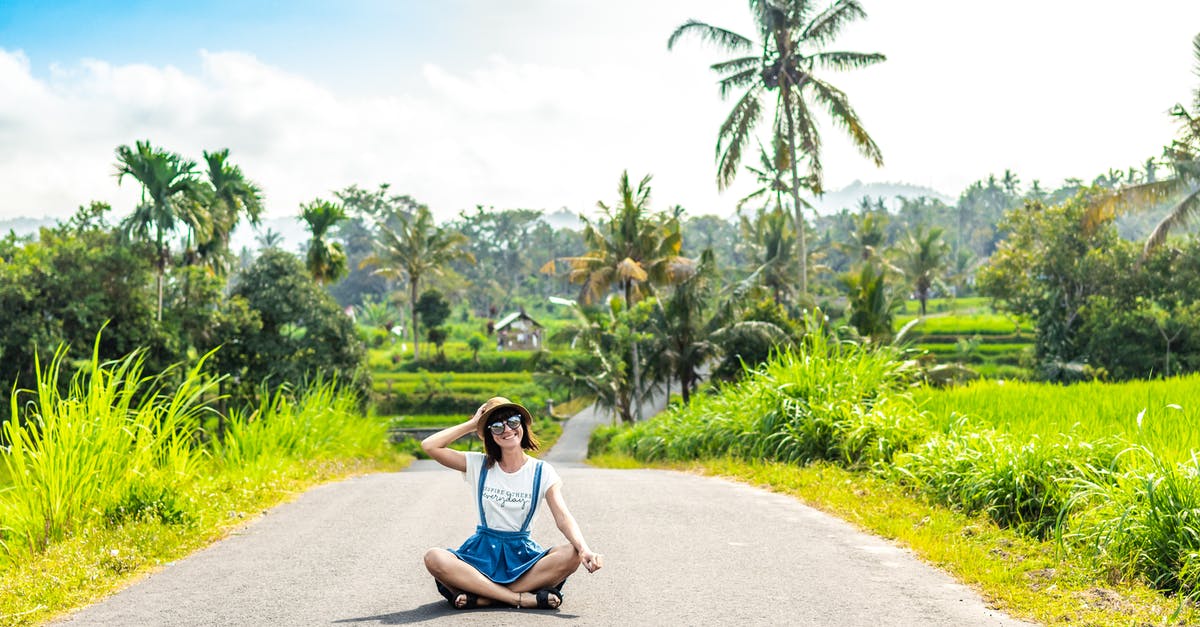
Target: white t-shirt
x: 507, y: 496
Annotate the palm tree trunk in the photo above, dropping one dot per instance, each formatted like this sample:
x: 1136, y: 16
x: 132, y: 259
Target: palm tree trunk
x: 800, y: 238
x: 636, y: 370
x: 412, y: 314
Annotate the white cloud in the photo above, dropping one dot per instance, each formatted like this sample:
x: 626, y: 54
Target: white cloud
x: 546, y: 109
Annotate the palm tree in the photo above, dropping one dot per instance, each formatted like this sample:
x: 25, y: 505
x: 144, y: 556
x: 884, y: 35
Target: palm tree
x: 631, y: 250
x: 1181, y: 189
x: 771, y: 176
x: 269, y: 239
x: 786, y: 62
x: 922, y: 258
x: 774, y: 240
x: 683, y: 341
x: 868, y: 236
x: 232, y: 196
x: 415, y: 249
x: 325, y: 260
x: 171, y: 197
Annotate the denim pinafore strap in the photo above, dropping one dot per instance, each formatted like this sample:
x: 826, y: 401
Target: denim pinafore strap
x: 503, y: 556
x: 537, y: 485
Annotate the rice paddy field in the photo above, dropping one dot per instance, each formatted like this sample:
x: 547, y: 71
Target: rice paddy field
x: 1161, y: 415
x: 967, y: 331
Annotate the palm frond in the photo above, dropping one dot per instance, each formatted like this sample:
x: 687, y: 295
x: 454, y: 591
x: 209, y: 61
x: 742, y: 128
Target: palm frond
x: 726, y: 39
x: 1196, y: 69
x: 628, y: 269
x: 1128, y: 198
x: 1178, y: 216
x: 732, y: 136
x: 736, y: 66
x: 804, y: 126
x: 843, y: 115
x: 841, y: 61
x: 828, y: 23
x: 744, y: 78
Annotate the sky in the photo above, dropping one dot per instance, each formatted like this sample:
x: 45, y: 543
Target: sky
x: 543, y: 104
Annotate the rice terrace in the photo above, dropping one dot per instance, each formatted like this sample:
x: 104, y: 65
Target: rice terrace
x: 265, y: 304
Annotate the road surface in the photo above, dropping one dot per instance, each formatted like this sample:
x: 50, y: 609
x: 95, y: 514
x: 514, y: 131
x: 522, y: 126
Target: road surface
x: 679, y: 550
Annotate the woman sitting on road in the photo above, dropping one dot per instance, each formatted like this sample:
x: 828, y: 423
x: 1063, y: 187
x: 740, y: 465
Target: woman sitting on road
x: 500, y: 563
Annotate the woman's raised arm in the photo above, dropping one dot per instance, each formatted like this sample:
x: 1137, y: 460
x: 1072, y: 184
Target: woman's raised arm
x: 437, y: 445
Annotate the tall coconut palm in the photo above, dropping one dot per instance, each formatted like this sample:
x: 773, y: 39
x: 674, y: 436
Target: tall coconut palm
x: 414, y: 250
x: 923, y: 257
x: 1181, y: 189
x: 231, y: 196
x: 171, y: 198
x: 786, y: 62
x: 325, y: 260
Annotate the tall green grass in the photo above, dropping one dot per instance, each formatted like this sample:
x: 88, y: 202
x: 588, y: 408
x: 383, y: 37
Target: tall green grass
x: 830, y: 401
x: 121, y: 445
x: 1109, y: 470
x: 117, y: 438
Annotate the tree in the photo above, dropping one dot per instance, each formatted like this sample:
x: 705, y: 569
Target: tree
x: 325, y: 259
x: 62, y: 288
x: 774, y: 256
x: 432, y: 310
x: 171, y: 196
x: 231, y: 196
x: 279, y: 328
x: 683, y: 326
x: 1181, y: 190
x: 632, y: 250
x: 922, y: 257
x: 415, y: 249
x: 793, y: 34
x: 1047, y: 269
x: 872, y: 304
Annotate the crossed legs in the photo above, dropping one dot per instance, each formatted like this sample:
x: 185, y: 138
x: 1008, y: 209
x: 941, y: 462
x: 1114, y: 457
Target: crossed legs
x: 460, y: 577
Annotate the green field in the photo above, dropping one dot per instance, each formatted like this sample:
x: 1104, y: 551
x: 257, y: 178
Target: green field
x: 1163, y: 415
x: 967, y: 331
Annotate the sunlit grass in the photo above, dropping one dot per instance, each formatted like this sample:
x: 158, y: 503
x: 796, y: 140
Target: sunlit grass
x: 111, y: 478
x: 1163, y: 415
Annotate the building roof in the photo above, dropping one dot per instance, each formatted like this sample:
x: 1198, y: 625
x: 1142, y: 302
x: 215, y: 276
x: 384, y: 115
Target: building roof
x: 513, y: 317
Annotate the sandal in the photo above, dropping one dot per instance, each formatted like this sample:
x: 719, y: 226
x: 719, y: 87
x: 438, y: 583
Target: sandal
x: 543, y: 598
x: 444, y: 591
x: 472, y: 601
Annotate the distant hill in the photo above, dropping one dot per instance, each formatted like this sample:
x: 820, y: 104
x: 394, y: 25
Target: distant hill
x: 848, y: 196
x: 24, y: 226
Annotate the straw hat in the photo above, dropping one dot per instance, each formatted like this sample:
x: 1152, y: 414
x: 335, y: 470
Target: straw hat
x: 495, y: 404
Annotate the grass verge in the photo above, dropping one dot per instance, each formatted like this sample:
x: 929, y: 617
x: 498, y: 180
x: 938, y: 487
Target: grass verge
x: 85, y: 567
x: 1021, y: 576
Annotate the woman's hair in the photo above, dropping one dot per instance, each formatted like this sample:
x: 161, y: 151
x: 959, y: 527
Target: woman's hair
x: 529, y: 441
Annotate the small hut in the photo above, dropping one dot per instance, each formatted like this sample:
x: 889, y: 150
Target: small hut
x: 517, y: 331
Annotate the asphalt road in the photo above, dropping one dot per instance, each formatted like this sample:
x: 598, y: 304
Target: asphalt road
x: 679, y: 550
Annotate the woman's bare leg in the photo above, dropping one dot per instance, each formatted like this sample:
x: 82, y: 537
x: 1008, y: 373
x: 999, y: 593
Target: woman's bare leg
x: 460, y: 577
x: 557, y: 565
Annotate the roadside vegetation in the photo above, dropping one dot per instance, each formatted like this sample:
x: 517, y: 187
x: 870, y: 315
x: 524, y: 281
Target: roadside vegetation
x: 116, y: 475
x: 1097, y: 480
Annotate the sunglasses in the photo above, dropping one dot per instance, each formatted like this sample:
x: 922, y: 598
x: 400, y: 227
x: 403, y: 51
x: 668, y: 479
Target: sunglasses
x: 512, y: 422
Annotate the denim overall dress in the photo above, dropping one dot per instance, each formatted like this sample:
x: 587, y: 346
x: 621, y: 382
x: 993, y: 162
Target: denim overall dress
x: 502, y: 556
